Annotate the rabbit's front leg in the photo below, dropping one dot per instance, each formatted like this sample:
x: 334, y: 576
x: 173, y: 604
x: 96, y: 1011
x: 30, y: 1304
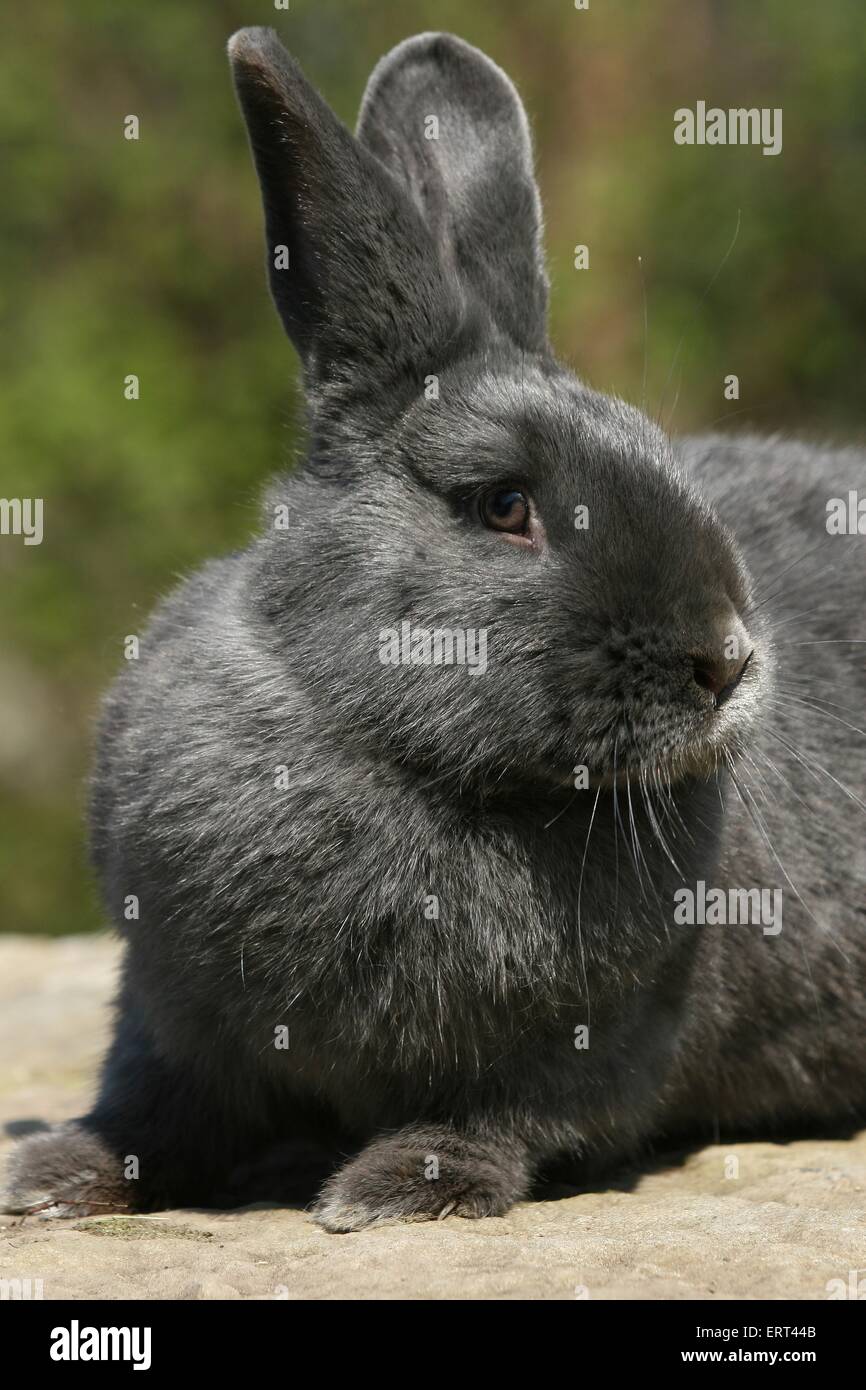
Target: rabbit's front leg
x: 66, y: 1171
x: 160, y: 1135
x: 423, y: 1173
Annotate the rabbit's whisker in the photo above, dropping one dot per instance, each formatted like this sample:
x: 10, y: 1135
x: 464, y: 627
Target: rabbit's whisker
x: 654, y: 822
x: 786, y: 781
x: 765, y: 579
x: 757, y: 820
x: 645, y: 333
x: 807, y: 763
x: 811, y: 704
x: 848, y: 709
x: 579, y: 900
x: 832, y: 567
x: 695, y: 313
x: 793, y: 618
x: 615, y: 829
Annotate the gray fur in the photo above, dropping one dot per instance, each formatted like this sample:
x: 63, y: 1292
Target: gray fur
x: 412, y: 1040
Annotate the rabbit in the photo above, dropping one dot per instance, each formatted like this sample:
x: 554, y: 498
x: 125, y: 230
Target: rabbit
x: 394, y: 809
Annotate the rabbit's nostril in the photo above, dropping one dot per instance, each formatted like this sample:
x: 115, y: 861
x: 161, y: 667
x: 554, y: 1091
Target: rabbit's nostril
x: 711, y: 675
x: 720, y: 676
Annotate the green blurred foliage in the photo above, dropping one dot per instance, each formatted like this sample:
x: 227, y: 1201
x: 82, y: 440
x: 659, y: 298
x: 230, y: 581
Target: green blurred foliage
x: 146, y: 257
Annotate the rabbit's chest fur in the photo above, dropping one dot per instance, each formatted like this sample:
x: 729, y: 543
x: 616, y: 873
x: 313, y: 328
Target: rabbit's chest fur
x: 349, y: 931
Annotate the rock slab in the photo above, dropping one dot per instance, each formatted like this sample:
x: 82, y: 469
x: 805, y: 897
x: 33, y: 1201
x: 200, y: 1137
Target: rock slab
x: 789, y: 1224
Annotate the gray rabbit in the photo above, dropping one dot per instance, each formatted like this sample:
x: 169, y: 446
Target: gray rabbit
x: 427, y: 818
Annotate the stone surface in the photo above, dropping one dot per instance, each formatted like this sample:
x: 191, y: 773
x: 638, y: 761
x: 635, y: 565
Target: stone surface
x: 791, y: 1222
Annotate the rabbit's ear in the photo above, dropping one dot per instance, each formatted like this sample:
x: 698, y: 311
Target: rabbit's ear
x: 450, y: 124
x: 353, y: 268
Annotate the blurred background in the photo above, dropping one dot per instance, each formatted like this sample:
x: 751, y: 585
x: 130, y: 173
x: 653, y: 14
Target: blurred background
x: 146, y: 257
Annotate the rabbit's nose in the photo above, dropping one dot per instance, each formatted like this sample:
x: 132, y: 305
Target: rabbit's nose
x: 719, y: 666
x: 720, y: 675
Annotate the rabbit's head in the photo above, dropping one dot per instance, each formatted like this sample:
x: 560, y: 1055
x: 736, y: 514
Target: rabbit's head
x: 486, y: 567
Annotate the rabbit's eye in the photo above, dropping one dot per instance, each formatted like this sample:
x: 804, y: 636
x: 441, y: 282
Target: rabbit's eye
x: 505, y: 509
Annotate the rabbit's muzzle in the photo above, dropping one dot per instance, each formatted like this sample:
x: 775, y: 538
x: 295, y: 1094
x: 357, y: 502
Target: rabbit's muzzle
x: 677, y: 698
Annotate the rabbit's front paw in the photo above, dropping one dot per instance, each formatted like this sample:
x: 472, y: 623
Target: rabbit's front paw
x: 67, y: 1171
x: 422, y: 1174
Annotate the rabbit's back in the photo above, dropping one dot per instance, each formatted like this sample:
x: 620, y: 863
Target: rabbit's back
x: 790, y: 1007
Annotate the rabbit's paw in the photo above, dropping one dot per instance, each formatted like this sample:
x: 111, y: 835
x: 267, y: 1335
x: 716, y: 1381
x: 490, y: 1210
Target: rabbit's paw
x: 422, y: 1174
x: 66, y: 1171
